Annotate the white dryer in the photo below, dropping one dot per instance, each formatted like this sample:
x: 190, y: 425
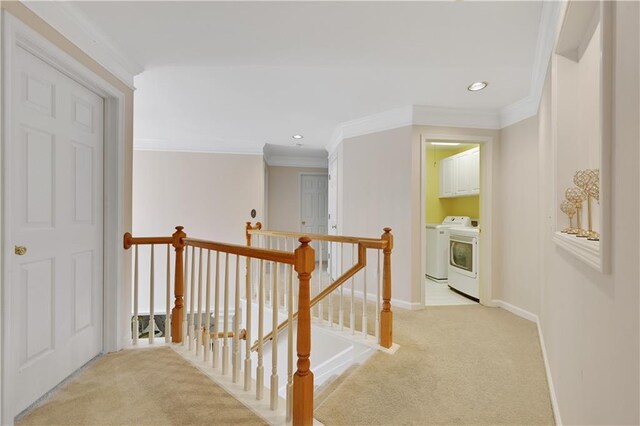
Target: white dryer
x: 464, y: 271
x: 438, y: 246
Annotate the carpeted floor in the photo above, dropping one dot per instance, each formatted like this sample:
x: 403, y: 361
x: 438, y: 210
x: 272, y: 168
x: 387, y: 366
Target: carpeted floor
x: 140, y: 387
x: 456, y: 365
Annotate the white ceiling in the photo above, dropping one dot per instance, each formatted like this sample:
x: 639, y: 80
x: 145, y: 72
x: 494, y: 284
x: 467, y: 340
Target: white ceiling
x: 232, y: 76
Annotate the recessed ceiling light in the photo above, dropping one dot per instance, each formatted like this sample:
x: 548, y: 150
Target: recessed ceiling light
x: 478, y: 85
x: 445, y: 143
x: 298, y: 136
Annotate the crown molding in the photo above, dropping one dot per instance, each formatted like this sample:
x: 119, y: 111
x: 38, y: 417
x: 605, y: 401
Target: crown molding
x: 193, y: 146
x: 548, y: 30
x: 391, y: 119
x: 79, y: 30
x: 550, y: 21
x: 312, y: 162
x: 455, y: 117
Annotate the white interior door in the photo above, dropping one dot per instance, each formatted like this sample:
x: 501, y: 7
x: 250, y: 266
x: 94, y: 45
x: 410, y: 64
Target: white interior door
x: 313, y: 205
x: 333, y: 214
x: 56, y: 198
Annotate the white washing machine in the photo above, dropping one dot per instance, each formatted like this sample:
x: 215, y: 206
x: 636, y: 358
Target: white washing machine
x: 464, y: 275
x: 438, y: 246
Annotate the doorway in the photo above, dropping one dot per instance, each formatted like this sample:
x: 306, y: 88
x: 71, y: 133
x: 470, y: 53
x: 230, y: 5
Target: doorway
x: 455, y: 181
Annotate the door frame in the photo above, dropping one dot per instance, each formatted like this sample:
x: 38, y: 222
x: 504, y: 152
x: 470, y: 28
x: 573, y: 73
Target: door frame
x: 487, y: 154
x: 16, y: 34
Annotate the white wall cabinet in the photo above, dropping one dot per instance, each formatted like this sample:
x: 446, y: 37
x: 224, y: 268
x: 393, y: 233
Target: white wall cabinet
x: 460, y: 174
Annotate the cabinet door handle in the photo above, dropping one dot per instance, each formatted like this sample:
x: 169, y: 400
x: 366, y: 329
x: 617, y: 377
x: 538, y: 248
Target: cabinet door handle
x: 20, y: 250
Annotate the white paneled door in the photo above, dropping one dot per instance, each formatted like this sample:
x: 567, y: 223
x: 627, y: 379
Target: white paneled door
x: 56, y: 227
x: 313, y: 205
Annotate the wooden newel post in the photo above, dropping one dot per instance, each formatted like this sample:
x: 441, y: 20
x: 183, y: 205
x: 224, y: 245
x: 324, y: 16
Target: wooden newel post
x: 303, y: 378
x: 386, y: 316
x: 177, y: 313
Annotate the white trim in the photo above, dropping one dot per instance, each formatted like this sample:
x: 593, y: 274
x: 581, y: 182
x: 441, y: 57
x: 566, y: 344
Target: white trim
x: 197, y: 146
x: 583, y: 249
x: 516, y: 310
x: 78, y: 29
x: 534, y: 318
x: 455, y: 117
x: 282, y: 161
x: 397, y: 303
x: 17, y: 33
x: 552, y: 390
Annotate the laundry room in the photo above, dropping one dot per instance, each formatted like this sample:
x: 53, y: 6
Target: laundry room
x: 452, y: 217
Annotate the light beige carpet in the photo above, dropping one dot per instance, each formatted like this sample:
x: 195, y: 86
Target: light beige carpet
x: 456, y: 365
x: 140, y: 387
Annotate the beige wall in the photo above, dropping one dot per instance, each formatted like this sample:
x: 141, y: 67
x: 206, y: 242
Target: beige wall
x: 284, y: 196
x: 517, y: 216
x: 589, y: 320
x: 23, y: 13
x: 379, y: 184
x: 376, y: 192
x: 211, y: 195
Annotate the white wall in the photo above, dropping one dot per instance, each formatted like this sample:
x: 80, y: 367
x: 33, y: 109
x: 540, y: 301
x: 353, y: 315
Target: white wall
x: 284, y: 196
x: 589, y: 320
x: 211, y: 195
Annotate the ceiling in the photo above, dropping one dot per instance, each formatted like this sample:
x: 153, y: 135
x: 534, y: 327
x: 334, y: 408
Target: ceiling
x: 232, y: 76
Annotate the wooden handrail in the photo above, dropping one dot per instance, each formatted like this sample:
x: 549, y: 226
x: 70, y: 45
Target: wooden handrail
x: 375, y: 243
x: 362, y: 262
x: 129, y: 240
x: 252, y: 252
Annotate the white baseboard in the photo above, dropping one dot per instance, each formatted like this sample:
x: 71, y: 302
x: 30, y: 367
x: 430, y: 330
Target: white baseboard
x: 534, y: 318
x: 398, y: 303
x: 516, y: 310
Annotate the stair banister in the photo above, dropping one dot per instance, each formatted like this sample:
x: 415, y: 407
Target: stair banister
x: 303, y: 378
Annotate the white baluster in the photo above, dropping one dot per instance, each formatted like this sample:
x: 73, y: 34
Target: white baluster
x: 352, y: 314
x: 248, y: 308
x: 225, y: 325
x: 320, y: 311
x: 185, y: 324
x: 192, y: 324
x: 152, y: 319
x: 364, y: 303
x: 378, y: 286
x: 329, y: 262
x: 167, y: 317
x: 207, y: 320
x: 268, y: 287
x: 290, y: 347
x: 341, y: 313
x: 235, y: 365
x: 274, y: 341
x: 260, y: 368
x: 135, y: 297
x: 198, y: 335
x: 216, y: 315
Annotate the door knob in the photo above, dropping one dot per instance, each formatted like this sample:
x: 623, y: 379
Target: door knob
x: 334, y: 226
x: 20, y: 250
x: 304, y: 223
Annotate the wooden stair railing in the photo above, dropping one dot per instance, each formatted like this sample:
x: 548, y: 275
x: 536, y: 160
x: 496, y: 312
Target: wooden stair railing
x: 384, y: 243
x: 189, y: 282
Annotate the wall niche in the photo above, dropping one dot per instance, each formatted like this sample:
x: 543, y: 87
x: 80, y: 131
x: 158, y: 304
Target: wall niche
x: 581, y: 114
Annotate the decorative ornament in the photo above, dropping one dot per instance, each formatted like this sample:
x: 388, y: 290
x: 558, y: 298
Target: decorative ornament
x: 576, y: 196
x: 568, y: 208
